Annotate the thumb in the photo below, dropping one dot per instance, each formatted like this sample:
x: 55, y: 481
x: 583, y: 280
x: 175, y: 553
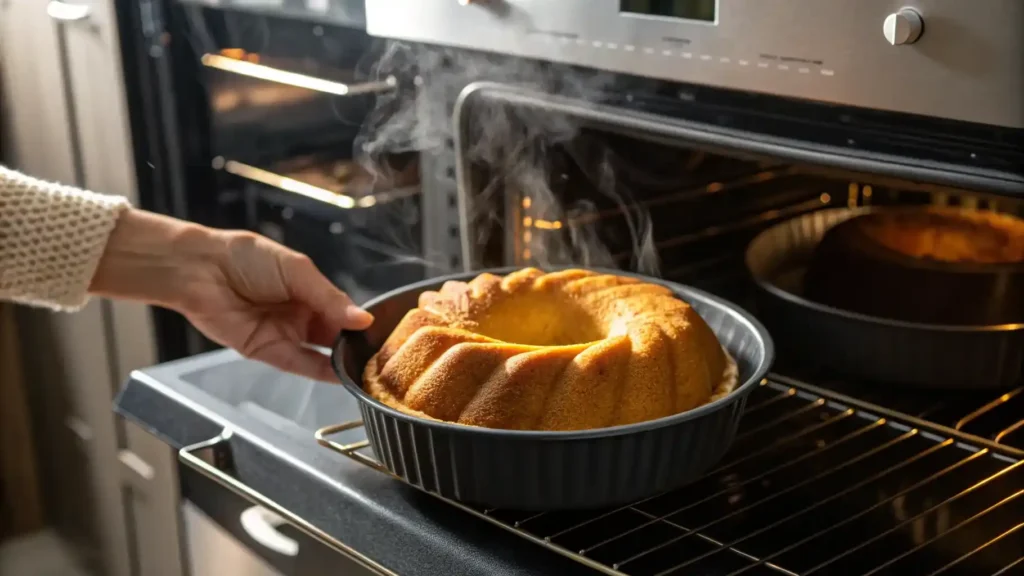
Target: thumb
x: 335, y: 309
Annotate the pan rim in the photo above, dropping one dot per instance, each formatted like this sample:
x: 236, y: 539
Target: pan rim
x: 765, y: 343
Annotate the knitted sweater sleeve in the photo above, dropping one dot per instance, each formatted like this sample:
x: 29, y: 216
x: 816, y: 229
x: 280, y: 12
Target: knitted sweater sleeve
x: 51, y: 240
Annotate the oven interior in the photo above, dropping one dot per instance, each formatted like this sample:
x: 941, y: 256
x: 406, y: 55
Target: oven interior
x: 602, y: 195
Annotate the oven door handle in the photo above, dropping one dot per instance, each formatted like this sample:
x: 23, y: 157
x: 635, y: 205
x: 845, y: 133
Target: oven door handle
x: 261, y: 525
x: 214, y: 459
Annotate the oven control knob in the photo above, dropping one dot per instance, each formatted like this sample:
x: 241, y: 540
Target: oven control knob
x: 903, y: 27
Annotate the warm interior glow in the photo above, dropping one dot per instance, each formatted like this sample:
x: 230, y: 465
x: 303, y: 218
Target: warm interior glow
x: 250, y: 67
x: 290, y: 185
x: 547, y: 225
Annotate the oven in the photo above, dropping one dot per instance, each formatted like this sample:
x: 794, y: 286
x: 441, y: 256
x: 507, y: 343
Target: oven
x: 255, y: 117
x: 710, y: 143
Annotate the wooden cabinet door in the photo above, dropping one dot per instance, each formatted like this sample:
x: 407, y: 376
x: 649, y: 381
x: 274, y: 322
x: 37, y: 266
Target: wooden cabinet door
x: 35, y: 125
x: 66, y: 120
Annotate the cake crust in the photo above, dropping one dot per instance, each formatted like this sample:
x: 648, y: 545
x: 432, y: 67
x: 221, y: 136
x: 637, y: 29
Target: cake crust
x: 568, y: 350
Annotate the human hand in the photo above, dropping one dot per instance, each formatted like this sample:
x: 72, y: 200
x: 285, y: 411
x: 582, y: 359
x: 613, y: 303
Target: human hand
x: 267, y: 301
x: 241, y: 290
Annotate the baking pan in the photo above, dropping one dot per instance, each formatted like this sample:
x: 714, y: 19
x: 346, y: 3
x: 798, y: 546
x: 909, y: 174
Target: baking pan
x: 543, y: 470
x: 865, y: 347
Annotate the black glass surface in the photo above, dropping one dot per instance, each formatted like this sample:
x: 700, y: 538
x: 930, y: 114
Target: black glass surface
x: 685, y: 9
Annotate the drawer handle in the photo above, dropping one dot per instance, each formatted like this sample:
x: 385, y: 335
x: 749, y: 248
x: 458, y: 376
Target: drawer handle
x: 138, y: 467
x: 213, y: 459
x: 64, y: 12
x: 79, y: 428
x: 261, y: 525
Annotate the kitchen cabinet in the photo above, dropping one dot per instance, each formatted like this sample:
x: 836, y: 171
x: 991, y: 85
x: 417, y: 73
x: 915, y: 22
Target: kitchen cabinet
x: 65, y: 119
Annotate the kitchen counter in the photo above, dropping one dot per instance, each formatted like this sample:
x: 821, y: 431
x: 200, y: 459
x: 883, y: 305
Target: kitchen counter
x: 274, y: 415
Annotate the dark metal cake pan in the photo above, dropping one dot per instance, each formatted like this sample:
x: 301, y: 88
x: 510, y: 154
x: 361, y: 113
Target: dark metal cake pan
x: 542, y: 470
x: 873, y: 349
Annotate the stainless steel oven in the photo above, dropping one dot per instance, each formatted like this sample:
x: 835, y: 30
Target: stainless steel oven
x: 673, y: 138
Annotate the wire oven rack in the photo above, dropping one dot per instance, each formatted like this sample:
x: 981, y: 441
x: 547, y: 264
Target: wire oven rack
x: 815, y: 483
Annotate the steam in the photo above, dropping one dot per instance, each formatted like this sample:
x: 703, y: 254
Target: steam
x: 514, y: 146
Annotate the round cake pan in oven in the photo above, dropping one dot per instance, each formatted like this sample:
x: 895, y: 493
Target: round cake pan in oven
x: 541, y: 470
x: 864, y: 347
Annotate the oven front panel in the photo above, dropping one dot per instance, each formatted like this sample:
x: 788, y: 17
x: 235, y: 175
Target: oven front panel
x: 827, y: 51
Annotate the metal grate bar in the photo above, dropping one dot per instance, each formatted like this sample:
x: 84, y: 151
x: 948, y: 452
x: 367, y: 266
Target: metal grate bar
x: 817, y: 504
x: 519, y: 523
x: 957, y: 527
x: 1016, y: 568
x: 783, y: 441
x: 866, y: 511
x: 737, y: 226
x: 807, y: 408
x: 729, y: 464
x: 1013, y: 428
x: 720, y: 545
x: 794, y: 469
x: 938, y: 429
x: 772, y: 400
x: 917, y: 516
x: 991, y: 542
x: 775, y: 495
x: 807, y: 455
x: 986, y: 408
x: 743, y: 184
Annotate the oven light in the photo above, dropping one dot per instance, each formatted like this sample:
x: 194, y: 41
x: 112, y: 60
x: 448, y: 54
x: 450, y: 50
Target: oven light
x: 547, y: 225
x: 825, y: 198
x: 290, y: 185
x: 240, y: 54
x: 270, y: 74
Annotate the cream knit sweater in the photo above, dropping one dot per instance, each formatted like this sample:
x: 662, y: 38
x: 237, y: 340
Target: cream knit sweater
x: 51, y: 240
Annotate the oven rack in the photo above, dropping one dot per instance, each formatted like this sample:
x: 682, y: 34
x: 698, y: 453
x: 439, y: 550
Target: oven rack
x: 816, y: 483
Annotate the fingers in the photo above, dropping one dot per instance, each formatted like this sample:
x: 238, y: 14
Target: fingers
x: 327, y: 302
x: 296, y: 359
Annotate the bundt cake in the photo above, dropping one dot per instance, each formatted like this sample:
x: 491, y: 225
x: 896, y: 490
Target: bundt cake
x: 568, y: 350
x: 946, y: 234
x: 931, y: 265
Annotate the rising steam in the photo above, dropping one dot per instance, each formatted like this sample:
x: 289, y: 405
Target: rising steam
x: 515, y: 146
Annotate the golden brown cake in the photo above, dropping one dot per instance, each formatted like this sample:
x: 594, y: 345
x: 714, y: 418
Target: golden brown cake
x: 948, y: 235
x: 930, y: 265
x: 569, y: 350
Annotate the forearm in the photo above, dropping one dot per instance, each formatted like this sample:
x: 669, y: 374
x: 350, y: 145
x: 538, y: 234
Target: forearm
x: 155, y: 259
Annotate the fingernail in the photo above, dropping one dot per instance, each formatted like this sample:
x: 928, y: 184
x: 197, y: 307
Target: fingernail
x: 359, y: 316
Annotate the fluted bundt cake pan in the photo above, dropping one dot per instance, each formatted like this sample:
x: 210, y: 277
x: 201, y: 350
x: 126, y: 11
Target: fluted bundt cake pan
x: 549, y: 470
